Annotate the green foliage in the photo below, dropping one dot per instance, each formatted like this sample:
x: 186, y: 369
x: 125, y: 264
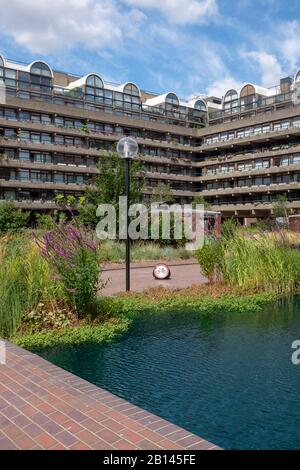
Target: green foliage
x: 46, y: 316
x: 170, y: 239
x: 25, y: 281
x: 81, y: 200
x: 85, y: 128
x: 210, y: 259
x: 109, y: 185
x: 200, y: 200
x: 261, y: 225
x: 59, y: 198
x: 88, y: 333
x: 44, y: 221
x: 74, y: 258
x: 280, y: 207
x: 62, y: 217
x: 12, y: 219
x: 132, y: 307
x: 229, y: 228
x: 83, y: 280
x: 122, y: 310
x: 162, y: 193
x: 114, y: 251
x: 87, y: 216
x: 261, y: 261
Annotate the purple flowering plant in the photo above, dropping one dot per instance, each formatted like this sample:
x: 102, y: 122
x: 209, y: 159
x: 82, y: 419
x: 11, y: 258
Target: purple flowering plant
x: 74, y: 258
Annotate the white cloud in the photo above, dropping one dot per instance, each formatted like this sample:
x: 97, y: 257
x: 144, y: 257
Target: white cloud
x: 219, y: 87
x: 181, y: 11
x: 184, y: 68
x: 47, y: 26
x: 270, y: 69
x: 288, y: 44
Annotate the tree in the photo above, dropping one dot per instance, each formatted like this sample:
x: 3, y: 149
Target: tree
x: 280, y: 207
x: 11, y: 219
x: 200, y: 200
x: 162, y: 193
x: 109, y: 184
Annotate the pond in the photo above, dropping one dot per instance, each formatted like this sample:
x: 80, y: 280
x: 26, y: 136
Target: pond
x: 227, y: 378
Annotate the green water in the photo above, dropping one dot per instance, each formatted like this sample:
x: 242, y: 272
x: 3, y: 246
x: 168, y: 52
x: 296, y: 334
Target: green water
x: 227, y: 378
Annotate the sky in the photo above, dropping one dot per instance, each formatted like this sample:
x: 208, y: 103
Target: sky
x: 190, y: 47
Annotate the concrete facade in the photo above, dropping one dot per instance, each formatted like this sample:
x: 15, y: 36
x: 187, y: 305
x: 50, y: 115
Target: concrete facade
x: 240, y: 152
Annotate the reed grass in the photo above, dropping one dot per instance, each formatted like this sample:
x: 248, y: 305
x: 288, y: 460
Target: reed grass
x: 263, y: 261
x: 25, y: 280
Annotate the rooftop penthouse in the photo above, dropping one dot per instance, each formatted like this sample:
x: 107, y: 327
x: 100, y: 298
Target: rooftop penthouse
x: 37, y: 81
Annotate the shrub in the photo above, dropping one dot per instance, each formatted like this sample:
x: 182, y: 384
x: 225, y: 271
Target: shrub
x: 44, y: 221
x: 11, y: 219
x: 210, y: 259
x: 87, y: 216
x: 74, y: 258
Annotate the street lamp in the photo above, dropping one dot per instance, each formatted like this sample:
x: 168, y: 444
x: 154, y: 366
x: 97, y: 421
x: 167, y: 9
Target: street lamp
x: 127, y: 148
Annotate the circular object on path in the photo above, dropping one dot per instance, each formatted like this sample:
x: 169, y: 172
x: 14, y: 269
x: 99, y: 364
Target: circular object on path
x: 161, y: 271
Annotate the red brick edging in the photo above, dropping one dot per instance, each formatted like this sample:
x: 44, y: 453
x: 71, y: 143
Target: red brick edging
x: 45, y: 407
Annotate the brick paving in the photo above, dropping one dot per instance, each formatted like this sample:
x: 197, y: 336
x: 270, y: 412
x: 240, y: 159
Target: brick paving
x: 183, y: 274
x: 45, y: 407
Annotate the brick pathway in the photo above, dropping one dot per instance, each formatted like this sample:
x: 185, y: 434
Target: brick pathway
x: 183, y: 274
x: 45, y: 407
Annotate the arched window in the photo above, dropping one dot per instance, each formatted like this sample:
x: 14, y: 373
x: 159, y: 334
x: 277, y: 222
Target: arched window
x: 94, y: 81
x: 230, y: 101
x: 130, y: 98
x: 198, y: 112
x: 230, y: 95
x: 94, y: 88
x: 171, y: 98
x: 247, y: 90
x: 131, y: 89
x: 199, y: 104
x: 40, y: 68
x: 247, y: 97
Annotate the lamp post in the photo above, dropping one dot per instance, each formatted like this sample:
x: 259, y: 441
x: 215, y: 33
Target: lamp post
x: 127, y: 148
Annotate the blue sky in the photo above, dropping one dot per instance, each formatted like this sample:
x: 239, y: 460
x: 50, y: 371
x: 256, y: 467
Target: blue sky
x: 186, y: 46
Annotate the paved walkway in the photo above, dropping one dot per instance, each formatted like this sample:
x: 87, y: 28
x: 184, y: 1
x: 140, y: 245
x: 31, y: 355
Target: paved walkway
x: 183, y: 274
x: 45, y: 407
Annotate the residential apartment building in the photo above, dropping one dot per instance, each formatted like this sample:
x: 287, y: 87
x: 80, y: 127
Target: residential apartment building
x: 239, y: 151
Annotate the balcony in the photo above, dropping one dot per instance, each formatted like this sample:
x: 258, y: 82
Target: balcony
x: 59, y: 167
x: 253, y: 172
x: 251, y: 189
x: 251, y: 138
x: 16, y: 183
